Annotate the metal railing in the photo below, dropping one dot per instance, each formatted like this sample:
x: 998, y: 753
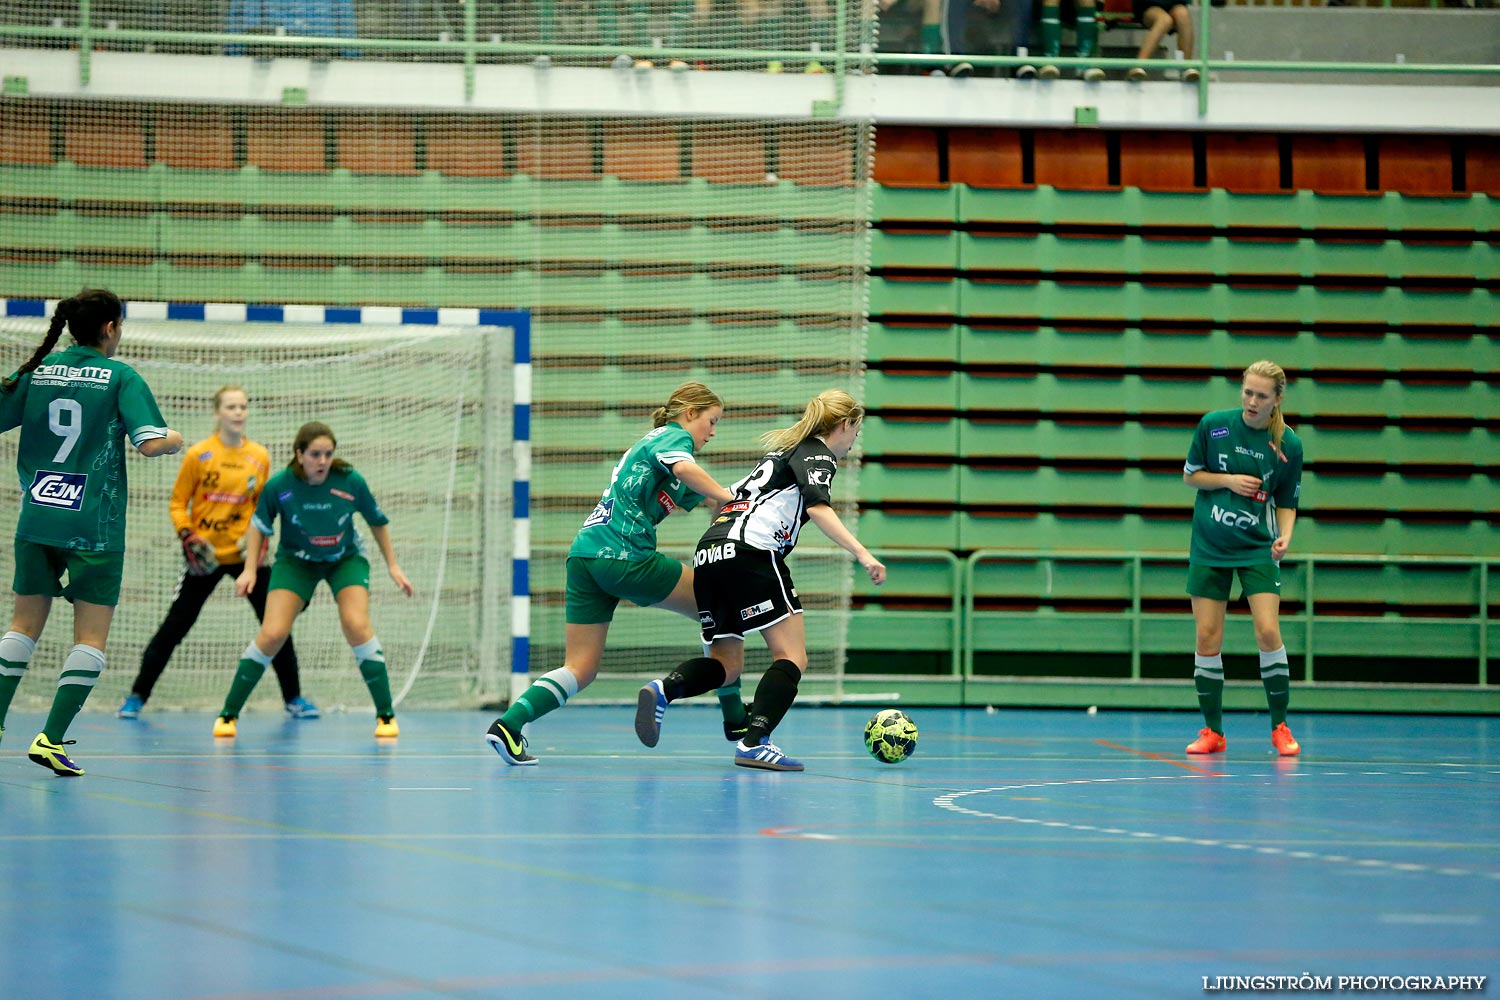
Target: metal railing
x: 1137, y: 616
x: 848, y: 52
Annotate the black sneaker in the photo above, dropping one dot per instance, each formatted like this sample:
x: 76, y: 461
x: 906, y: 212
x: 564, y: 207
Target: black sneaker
x: 510, y: 746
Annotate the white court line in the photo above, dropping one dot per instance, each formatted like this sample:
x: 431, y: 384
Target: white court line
x: 427, y: 788
x: 950, y: 803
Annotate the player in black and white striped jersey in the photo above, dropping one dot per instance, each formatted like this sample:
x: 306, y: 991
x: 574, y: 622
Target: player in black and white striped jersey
x: 742, y: 584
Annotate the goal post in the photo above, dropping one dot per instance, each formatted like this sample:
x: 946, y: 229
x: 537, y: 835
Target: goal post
x: 431, y: 406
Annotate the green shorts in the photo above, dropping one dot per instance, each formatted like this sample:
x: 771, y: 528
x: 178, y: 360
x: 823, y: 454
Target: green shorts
x: 301, y: 576
x: 596, y: 586
x: 1213, y: 582
x: 93, y: 577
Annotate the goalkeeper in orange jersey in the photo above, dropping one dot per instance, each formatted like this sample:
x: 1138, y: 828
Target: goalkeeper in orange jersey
x: 217, y: 488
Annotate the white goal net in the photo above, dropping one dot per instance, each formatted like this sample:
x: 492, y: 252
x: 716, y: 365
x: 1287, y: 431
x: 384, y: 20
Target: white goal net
x: 423, y: 412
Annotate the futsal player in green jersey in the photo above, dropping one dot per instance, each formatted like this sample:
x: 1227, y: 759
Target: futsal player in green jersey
x: 614, y: 557
x: 1246, y: 465
x: 74, y: 407
x: 316, y: 496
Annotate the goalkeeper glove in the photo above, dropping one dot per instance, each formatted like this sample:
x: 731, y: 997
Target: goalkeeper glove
x: 198, y: 552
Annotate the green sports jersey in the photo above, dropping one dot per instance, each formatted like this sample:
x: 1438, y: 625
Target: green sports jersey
x: 74, y: 410
x: 642, y: 491
x: 318, y: 520
x: 1229, y: 529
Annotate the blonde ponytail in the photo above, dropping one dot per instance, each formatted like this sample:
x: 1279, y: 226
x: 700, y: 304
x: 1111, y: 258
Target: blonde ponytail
x: 824, y: 412
x: 687, y: 396
x: 1277, y: 425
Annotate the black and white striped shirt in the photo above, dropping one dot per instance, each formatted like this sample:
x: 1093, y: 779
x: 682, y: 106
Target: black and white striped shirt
x: 770, y: 505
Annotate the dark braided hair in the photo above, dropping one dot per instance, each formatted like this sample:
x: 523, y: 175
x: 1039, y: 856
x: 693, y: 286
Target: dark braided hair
x: 86, y: 315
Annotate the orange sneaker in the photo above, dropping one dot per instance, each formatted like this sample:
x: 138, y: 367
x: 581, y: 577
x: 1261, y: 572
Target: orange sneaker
x: 1285, y: 743
x: 1208, y: 741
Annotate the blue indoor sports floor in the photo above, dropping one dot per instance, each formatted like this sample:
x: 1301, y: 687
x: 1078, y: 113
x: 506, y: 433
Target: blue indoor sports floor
x: 1018, y: 854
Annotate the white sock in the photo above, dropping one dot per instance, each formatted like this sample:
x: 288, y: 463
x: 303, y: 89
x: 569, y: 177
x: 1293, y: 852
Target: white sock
x: 369, y: 650
x: 561, y: 683
x: 15, y: 649
x: 83, y: 666
x: 252, y: 652
x: 1274, y: 663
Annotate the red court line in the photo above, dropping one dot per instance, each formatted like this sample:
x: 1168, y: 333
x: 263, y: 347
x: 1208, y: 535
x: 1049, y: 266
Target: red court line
x: 1157, y: 756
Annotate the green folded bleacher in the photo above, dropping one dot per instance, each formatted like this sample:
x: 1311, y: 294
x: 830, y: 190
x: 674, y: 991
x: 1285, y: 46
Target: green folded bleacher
x: 1050, y: 349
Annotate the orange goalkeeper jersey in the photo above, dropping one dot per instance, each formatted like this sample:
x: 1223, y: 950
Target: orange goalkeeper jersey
x: 217, y: 488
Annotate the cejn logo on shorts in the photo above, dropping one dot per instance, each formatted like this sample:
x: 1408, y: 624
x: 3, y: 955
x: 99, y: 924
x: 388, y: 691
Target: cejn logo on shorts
x: 59, y: 490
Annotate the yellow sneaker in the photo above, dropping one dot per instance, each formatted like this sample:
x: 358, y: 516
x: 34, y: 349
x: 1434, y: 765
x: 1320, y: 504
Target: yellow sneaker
x: 48, y: 754
x: 386, y: 728
x: 1208, y: 741
x: 1284, y: 742
x: 224, y: 727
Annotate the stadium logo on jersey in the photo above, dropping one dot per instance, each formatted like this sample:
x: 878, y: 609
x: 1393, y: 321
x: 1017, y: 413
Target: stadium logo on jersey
x: 665, y: 500
x: 1235, y: 518
x: 1241, y: 450
x: 342, y: 495
x: 820, y: 477
x: 317, y: 506
x: 714, y: 553
x: 759, y: 609
x: 603, y: 510
x: 326, y: 540
x: 1219, y: 432
x: 62, y: 490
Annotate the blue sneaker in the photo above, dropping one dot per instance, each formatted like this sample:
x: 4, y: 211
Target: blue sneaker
x: 132, y: 707
x: 301, y: 708
x: 510, y: 746
x: 650, y: 707
x: 767, y: 757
